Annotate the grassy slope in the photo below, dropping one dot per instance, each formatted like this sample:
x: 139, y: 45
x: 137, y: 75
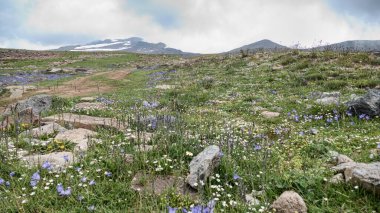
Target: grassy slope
x: 215, y: 101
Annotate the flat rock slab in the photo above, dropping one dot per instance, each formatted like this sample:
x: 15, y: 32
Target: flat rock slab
x: 289, y: 202
x: 84, y: 121
x: 158, y: 184
x: 269, y: 115
x: 366, y: 175
x: 90, y: 106
x: 80, y: 136
x: 44, y: 129
x: 57, y: 159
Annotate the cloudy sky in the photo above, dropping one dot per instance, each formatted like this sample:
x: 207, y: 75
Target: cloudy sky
x: 205, y: 26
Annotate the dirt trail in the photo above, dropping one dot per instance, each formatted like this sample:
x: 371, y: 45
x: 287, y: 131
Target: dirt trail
x: 81, y: 86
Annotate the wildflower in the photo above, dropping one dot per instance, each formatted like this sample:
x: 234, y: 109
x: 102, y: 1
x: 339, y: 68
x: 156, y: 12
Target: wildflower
x: 46, y: 165
x: 301, y: 133
x: 92, y: 182
x: 362, y: 116
x: 35, y: 179
x: 296, y: 118
x: 62, y: 192
x: 91, y: 208
x: 1, y: 181
x: 378, y: 145
x: 257, y: 147
x: 189, y: 154
x: 236, y: 177
x: 83, y: 179
x: 172, y: 210
x: 12, y: 174
x: 108, y: 174
x: 80, y: 198
x: 66, y: 158
x: 7, y: 184
x: 329, y: 120
x: 349, y: 113
x: 221, y: 154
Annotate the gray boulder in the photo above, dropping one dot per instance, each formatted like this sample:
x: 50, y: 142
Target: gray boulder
x: 365, y: 175
x: 45, y: 129
x: 202, y: 165
x: 289, y: 202
x: 37, y: 104
x: 369, y: 104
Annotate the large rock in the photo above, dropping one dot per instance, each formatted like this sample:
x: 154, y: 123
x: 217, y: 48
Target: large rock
x: 57, y: 159
x: 37, y: 104
x: 337, y: 158
x: 84, y: 121
x: 44, y: 129
x: 365, y: 175
x: 289, y: 202
x: 326, y: 98
x: 81, y: 137
x: 26, y: 111
x: 90, y: 106
x: 369, y: 104
x: 202, y: 165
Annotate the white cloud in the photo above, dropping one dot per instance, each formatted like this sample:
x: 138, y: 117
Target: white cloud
x: 205, y: 26
x: 25, y: 44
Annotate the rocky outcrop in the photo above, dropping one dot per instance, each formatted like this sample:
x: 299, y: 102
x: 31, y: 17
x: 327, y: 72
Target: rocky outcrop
x: 369, y: 104
x: 81, y: 137
x: 202, y: 165
x: 44, y: 129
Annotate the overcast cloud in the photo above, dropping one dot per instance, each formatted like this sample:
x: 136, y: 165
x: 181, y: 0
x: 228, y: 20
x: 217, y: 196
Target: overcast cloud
x: 204, y: 26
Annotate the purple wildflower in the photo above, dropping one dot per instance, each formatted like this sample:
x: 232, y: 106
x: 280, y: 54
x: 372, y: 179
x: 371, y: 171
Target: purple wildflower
x: 236, y: 177
x: 12, y: 174
x: 7, y: 184
x: 62, y: 192
x: 66, y: 158
x: 257, y: 147
x: 172, y: 210
x: 83, y: 179
x: 80, y: 198
x: 108, y: 174
x: 296, y: 118
x: 46, y: 165
x: 362, y: 116
x: 91, y: 208
x: 92, y: 182
x: 378, y: 145
x: 329, y: 120
x: 1, y: 181
x: 35, y: 179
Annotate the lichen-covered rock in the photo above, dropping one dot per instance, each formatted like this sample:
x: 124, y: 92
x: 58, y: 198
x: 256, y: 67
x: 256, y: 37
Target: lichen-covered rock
x: 369, y: 104
x: 289, y: 202
x: 202, y: 165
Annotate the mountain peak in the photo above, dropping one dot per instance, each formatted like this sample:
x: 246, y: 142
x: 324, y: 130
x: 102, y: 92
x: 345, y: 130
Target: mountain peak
x: 264, y: 44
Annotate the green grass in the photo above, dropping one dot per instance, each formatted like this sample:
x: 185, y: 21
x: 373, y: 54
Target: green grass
x: 215, y: 101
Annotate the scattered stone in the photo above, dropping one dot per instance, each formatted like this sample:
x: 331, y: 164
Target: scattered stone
x: 87, y: 99
x: 90, y: 106
x: 369, y: 104
x: 37, y: 103
x: 337, y: 158
x: 251, y: 200
x: 314, y: 131
x: 158, y: 184
x: 202, y: 165
x: 80, y: 136
x: 84, y: 121
x: 328, y: 101
x: 269, y: 115
x: 338, y: 178
x: 44, y: 129
x: 365, y: 175
x: 57, y: 159
x: 289, y: 202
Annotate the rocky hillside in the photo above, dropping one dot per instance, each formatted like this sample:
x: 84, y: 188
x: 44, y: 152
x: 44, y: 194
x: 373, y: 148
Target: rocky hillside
x: 355, y: 45
x: 133, y: 45
x: 260, y: 45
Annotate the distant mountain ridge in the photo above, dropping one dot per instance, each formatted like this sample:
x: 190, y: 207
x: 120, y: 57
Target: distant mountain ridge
x: 353, y: 45
x: 260, y: 45
x: 133, y: 44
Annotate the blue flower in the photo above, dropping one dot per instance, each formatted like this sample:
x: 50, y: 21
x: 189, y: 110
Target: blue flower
x: 12, y: 174
x: 62, y: 192
x: 257, y: 147
x: 378, y: 145
x: 91, y: 208
x: 236, y: 177
x: 7, y: 183
x: 80, y: 198
x: 362, y: 116
x: 108, y: 174
x: 1, y: 181
x: 35, y: 179
x: 46, y: 165
x: 92, y: 182
x: 172, y: 210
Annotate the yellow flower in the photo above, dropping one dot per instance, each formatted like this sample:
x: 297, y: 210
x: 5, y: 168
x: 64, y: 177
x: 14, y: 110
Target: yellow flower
x: 62, y: 146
